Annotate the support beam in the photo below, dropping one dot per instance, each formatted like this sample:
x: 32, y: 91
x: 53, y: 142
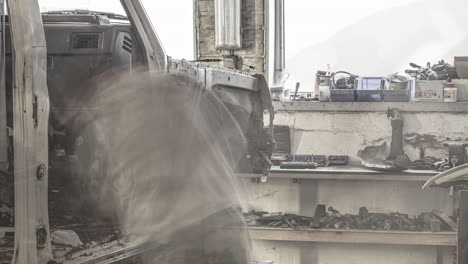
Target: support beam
x: 462, y: 245
x: 30, y: 124
x: 3, y: 108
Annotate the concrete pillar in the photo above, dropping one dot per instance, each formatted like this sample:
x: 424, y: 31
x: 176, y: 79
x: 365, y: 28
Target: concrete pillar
x: 251, y: 58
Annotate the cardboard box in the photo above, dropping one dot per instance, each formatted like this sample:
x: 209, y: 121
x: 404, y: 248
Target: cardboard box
x: 429, y: 91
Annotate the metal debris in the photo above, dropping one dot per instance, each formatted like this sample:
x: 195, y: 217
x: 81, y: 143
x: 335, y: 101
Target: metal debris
x: 334, y: 219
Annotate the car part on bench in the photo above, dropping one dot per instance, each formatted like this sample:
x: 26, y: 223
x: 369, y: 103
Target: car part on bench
x: 382, y: 158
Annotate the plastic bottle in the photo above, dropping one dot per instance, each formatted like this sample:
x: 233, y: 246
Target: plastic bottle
x: 450, y: 93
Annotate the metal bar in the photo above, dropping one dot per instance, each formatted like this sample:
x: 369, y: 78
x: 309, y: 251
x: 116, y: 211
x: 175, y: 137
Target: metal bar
x: 366, y: 107
x: 30, y: 124
x: 462, y: 244
x: 279, y: 42
x: 266, y: 36
x: 196, y: 28
x: 3, y: 109
x: 347, y: 173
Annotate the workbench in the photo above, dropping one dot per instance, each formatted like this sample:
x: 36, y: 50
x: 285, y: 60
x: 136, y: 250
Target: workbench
x: 352, y: 175
x: 355, y: 236
x: 345, y: 128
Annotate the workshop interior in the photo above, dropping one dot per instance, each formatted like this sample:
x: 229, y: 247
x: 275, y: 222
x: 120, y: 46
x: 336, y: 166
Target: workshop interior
x: 353, y: 149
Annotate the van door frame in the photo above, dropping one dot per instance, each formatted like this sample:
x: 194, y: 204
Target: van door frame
x: 155, y: 54
x: 30, y: 128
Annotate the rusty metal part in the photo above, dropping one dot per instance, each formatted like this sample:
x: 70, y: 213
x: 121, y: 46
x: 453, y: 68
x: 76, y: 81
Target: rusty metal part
x: 457, y: 152
x: 435, y: 225
x: 388, y: 224
x: 396, y: 146
x: 444, y: 217
x: 320, y: 211
x: 363, y: 212
x: 334, y: 212
x: 382, y: 158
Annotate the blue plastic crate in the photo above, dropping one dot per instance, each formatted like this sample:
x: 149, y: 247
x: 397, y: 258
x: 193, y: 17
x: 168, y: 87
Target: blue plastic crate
x: 342, y: 95
x: 369, y: 89
x: 402, y: 95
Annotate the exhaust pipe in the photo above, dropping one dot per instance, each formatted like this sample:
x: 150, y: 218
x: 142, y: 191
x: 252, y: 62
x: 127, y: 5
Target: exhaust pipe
x: 279, y: 60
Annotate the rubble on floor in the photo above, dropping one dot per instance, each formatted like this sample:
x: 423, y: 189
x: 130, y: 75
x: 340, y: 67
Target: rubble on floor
x: 333, y: 219
x: 66, y: 238
x: 67, y: 244
x: 6, y: 216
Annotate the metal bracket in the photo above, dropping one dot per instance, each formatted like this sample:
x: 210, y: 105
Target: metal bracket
x: 296, y: 181
x: 258, y: 180
x: 35, y: 111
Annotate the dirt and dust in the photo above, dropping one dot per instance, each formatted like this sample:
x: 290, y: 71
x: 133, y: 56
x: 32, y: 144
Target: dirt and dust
x: 158, y: 155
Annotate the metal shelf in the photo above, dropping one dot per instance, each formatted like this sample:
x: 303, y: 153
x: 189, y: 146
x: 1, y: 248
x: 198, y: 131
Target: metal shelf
x: 365, y: 107
x: 354, y: 236
x: 353, y: 173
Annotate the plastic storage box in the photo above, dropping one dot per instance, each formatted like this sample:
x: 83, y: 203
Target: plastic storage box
x: 399, y: 95
x: 402, y: 95
x: 342, y: 95
x: 369, y: 89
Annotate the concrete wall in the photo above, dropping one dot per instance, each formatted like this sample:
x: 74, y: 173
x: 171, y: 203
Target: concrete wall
x: 253, y: 35
x: 329, y: 132
x: 347, y: 133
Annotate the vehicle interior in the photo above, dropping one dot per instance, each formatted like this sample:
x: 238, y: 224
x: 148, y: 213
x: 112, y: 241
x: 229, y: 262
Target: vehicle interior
x: 83, y: 47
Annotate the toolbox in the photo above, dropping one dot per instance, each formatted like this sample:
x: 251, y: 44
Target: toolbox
x: 429, y: 91
x: 369, y: 89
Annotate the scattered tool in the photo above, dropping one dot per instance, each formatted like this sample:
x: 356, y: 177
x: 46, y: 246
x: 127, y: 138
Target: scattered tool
x: 298, y: 165
x: 429, y: 163
x: 334, y: 160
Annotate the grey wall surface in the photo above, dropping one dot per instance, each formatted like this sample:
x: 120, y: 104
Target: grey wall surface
x: 253, y: 35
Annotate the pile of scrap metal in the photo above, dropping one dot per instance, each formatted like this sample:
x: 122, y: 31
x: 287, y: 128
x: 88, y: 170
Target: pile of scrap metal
x: 434, y: 221
x: 438, y: 71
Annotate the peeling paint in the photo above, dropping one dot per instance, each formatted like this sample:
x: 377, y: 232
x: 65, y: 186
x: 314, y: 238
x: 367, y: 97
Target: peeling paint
x: 267, y: 195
